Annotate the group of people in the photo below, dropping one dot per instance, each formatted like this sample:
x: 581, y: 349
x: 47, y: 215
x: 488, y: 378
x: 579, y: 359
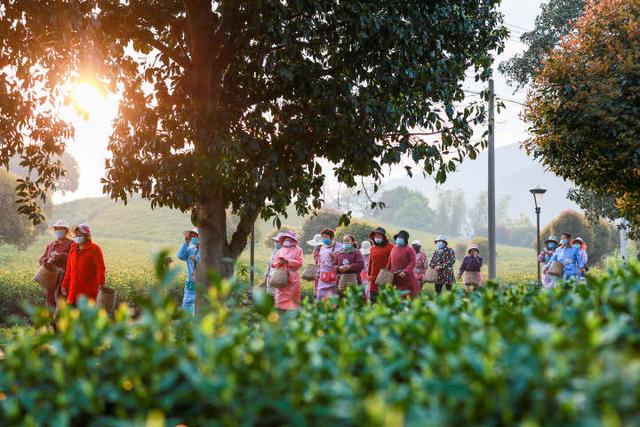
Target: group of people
x: 80, y: 266
x: 563, y: 259
x: 407, y: 262
x: 78, y: 262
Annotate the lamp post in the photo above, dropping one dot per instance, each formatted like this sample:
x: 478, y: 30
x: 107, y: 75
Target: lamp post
x: 537, y: 200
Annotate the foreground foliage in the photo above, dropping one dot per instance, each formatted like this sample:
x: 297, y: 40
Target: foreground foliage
x: 504, y: 355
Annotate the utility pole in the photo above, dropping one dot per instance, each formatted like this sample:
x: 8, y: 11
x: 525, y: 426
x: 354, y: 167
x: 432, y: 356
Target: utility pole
x: 492, y: 184
x: 252, y: 256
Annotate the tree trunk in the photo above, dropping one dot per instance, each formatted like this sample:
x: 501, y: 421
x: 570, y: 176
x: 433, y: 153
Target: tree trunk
x: 214, y: 249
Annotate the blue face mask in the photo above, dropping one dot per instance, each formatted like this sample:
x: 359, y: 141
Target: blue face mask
x: 577, y: 247
x: 60, y: 234
x: 347, y: 246
x: 278, y: 246
x: 564, y: 242
x: 400, y: 241
x: 326, y: 241
x: 552, y: 245
x: 195, y: 241
x: 440, y: 245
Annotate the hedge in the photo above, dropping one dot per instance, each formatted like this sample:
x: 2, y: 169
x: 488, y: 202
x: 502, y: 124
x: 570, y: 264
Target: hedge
x: 513, y: 355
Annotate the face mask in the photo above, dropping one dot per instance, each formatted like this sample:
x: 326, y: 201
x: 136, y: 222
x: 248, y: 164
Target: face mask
x: 79, y: 239
x: 347, y: 246
x: 278, y: 246
x: 287, y: 243
x: 400, y: 241
x: 326, y: 241
x: 195, y: 241
x: 378, y: 240
x: 440, y: 245
x: 60, y: 234
x: 564, y: 242
x: 578, y: 247
x: 552, y: 245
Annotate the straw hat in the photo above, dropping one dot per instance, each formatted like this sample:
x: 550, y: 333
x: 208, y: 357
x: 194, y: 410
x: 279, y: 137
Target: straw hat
x: 329, y: 232
x: 577, y: 239
x: 366, y: 248
x: 61, y: 223
x: 472, y: 247
x: 441, y: 238
x: 316, y: 241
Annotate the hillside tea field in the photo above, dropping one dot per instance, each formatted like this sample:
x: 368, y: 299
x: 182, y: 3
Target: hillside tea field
x: 510, y: 355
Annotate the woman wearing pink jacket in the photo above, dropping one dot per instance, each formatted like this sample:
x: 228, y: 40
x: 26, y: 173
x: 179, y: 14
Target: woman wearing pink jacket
x: 289, y: 256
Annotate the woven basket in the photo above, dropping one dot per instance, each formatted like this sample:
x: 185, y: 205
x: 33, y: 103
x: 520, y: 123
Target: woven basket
x: 346, y: 280
x: 310, y: 272
x: 279, y: 278
x: 46, y: 278
x: 472, y: 278
x: 385, y: 277
x: 431, y: 275
x: 556, y: 269
x: 106, y: 298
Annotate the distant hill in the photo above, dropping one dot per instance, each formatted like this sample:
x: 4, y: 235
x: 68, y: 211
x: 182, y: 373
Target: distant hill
x: 515, y: 175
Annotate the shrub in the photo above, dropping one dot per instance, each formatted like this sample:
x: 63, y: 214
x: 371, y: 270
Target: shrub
x: 510, y: 355
x: 358, y: 229
x: 461, y: 250
x: 324, y: 218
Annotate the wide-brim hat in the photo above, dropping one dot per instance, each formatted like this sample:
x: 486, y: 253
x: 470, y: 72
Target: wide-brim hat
x: 61, y: 223
x: 472, y: 247
x: 185, y: 233
x: 441, y: 238
x: 316, y: 241
x: 553, y: 239
x: 288, y: 234
x: 329, y: 232
x: 416, y: 243
x: 378, y: 230
x: 577, y: 239
x: 365, y: 249
x: 276, y: 238
x: 84, y: 229
x: 402, y: 233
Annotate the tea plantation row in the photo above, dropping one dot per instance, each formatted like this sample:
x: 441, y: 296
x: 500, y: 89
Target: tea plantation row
x: 501, y: 356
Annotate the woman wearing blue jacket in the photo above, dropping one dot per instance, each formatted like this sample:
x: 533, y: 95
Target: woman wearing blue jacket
x: 568, y: 255
x: 189, y: 252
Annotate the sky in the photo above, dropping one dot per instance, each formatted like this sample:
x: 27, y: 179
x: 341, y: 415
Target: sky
x: 89, y: 146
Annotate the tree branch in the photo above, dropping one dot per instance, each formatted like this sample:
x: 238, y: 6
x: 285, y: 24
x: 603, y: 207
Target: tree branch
x: 148, y: 38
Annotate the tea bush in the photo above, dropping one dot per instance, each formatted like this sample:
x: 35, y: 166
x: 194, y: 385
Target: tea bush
x: 500, y: 356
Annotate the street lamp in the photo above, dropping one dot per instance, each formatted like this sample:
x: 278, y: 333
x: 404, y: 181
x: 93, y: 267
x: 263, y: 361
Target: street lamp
x: 537, y: 199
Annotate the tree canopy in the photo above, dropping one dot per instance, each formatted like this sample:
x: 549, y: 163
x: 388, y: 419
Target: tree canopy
x: 232, y: 103
x: 584, y: 105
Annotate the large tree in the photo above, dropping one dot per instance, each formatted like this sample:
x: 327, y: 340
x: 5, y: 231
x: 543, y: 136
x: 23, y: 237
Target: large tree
x: 584, y: 105
x: 232, y: 103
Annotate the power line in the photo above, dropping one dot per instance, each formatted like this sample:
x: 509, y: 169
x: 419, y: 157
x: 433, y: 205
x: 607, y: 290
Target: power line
x: 518, y: 27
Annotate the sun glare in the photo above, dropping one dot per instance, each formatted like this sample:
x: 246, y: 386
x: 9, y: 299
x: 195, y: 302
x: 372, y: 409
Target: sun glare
x: 89, y: 100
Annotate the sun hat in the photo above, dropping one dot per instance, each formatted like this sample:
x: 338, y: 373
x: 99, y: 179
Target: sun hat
x: 403, y: 234
x: 288, y: 234
x: 185, y: 233
x: 365, y: 249
x: 552, y: 238
x: 329, y: 232
x: 577, y: 239
x: 441, y: 238
x: 61, y: 223
x: 472, y: 247
x: 378, y: 230
x: 316, y: 241
x: 416, y: 243
x: 84, y: 229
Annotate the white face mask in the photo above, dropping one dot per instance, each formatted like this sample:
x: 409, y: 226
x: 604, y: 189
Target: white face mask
x: 59, y: 234
x: 79, y: 239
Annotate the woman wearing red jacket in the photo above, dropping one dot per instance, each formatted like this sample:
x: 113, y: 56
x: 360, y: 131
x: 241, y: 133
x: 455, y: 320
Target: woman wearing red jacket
x: 85, y: 272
